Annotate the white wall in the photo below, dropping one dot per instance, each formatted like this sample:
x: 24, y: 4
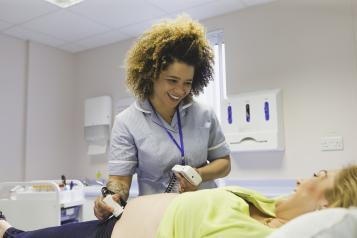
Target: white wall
x: 36, y: 99
x: 51, y: 140
x: 305, y: 47
x: 12, y: 88
x: 99, y: 72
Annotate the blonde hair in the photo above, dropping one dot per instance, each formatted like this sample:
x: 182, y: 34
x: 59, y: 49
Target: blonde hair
x: 344, y: 191
x: 180, y: 40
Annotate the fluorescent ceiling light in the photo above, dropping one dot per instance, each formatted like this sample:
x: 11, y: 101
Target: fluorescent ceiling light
x: 64, y: 3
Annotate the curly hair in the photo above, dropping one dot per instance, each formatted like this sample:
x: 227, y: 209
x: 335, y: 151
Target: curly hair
x: 344, y: 191
x: 179, y: 40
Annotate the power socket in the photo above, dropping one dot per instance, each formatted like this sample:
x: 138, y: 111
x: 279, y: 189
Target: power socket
x: 330, y: 143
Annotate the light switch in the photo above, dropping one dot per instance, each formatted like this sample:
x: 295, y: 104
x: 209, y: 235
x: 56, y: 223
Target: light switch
x: 329, y: 143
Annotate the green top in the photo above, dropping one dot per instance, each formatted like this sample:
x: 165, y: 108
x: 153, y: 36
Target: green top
x: 220, y: 212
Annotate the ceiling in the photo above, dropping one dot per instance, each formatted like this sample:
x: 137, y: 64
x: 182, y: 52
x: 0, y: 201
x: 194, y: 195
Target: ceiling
x: 94, y: 23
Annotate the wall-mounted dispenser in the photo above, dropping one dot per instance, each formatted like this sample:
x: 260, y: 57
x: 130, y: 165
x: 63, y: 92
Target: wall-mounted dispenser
x: 254, y: 121
x: 97, y: 123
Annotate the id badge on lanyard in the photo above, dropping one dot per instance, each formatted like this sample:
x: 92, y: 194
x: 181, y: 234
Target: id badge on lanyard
x: 181, y: 146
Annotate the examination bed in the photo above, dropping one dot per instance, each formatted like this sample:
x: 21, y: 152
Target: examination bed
x: 50, y: 208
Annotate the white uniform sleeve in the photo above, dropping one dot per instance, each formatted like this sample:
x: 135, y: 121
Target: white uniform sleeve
x: 217, y: 145
x: 122, y: 152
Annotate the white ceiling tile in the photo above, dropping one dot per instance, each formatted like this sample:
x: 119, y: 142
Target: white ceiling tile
x: 136, y: 30
x: 65, y: 25
x: 25, y: 34
x: 73, y: 47
x: 93, y: 23
x: 19, y: 11
x: 178, y: 5
x: 214, y: 9
x: 104, y: 39
x: 139, y: 28
x: 256, y: 2
x: 116, y: 14
x: 4, y: 25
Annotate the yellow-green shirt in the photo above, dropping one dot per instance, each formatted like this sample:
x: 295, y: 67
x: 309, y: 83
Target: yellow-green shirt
x: 220, y: 212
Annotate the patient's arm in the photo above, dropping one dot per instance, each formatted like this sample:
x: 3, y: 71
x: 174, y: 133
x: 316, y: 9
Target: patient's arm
x: 142, y: 216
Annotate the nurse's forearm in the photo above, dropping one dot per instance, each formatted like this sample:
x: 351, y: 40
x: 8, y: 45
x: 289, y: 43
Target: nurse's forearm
x: 216, y: 169
x: 120, y: 185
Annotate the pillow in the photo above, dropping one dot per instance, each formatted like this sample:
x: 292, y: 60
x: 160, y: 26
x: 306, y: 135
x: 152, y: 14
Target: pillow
x: 327, y: 223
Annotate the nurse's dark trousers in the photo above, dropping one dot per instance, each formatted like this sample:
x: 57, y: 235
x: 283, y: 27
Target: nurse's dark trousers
x: 88, y: 229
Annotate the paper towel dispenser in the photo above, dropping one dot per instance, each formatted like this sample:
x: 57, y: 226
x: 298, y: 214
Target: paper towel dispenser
x: 254, y: 121
x: 97, y: 123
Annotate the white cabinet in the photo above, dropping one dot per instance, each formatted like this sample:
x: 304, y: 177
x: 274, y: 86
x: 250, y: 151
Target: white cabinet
x: 40, y: 204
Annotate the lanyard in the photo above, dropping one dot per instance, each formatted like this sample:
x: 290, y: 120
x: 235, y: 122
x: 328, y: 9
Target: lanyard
x: 181, y: 148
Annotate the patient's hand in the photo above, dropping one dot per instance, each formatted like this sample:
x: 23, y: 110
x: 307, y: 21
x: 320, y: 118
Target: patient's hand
x: 101, y: 209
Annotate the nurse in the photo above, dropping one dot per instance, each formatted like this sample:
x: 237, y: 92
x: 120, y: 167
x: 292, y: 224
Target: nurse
x: 168, y: 64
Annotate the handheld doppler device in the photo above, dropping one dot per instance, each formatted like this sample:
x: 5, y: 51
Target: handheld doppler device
x: 188, y: 173
x: 117, y: 208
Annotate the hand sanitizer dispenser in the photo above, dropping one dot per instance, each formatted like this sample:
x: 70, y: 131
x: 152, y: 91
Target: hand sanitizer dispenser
x: 97, y: 124
x: 254, y: 121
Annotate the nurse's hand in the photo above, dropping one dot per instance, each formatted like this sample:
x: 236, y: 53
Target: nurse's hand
x: 101, y: 209
x: 185, y: 186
